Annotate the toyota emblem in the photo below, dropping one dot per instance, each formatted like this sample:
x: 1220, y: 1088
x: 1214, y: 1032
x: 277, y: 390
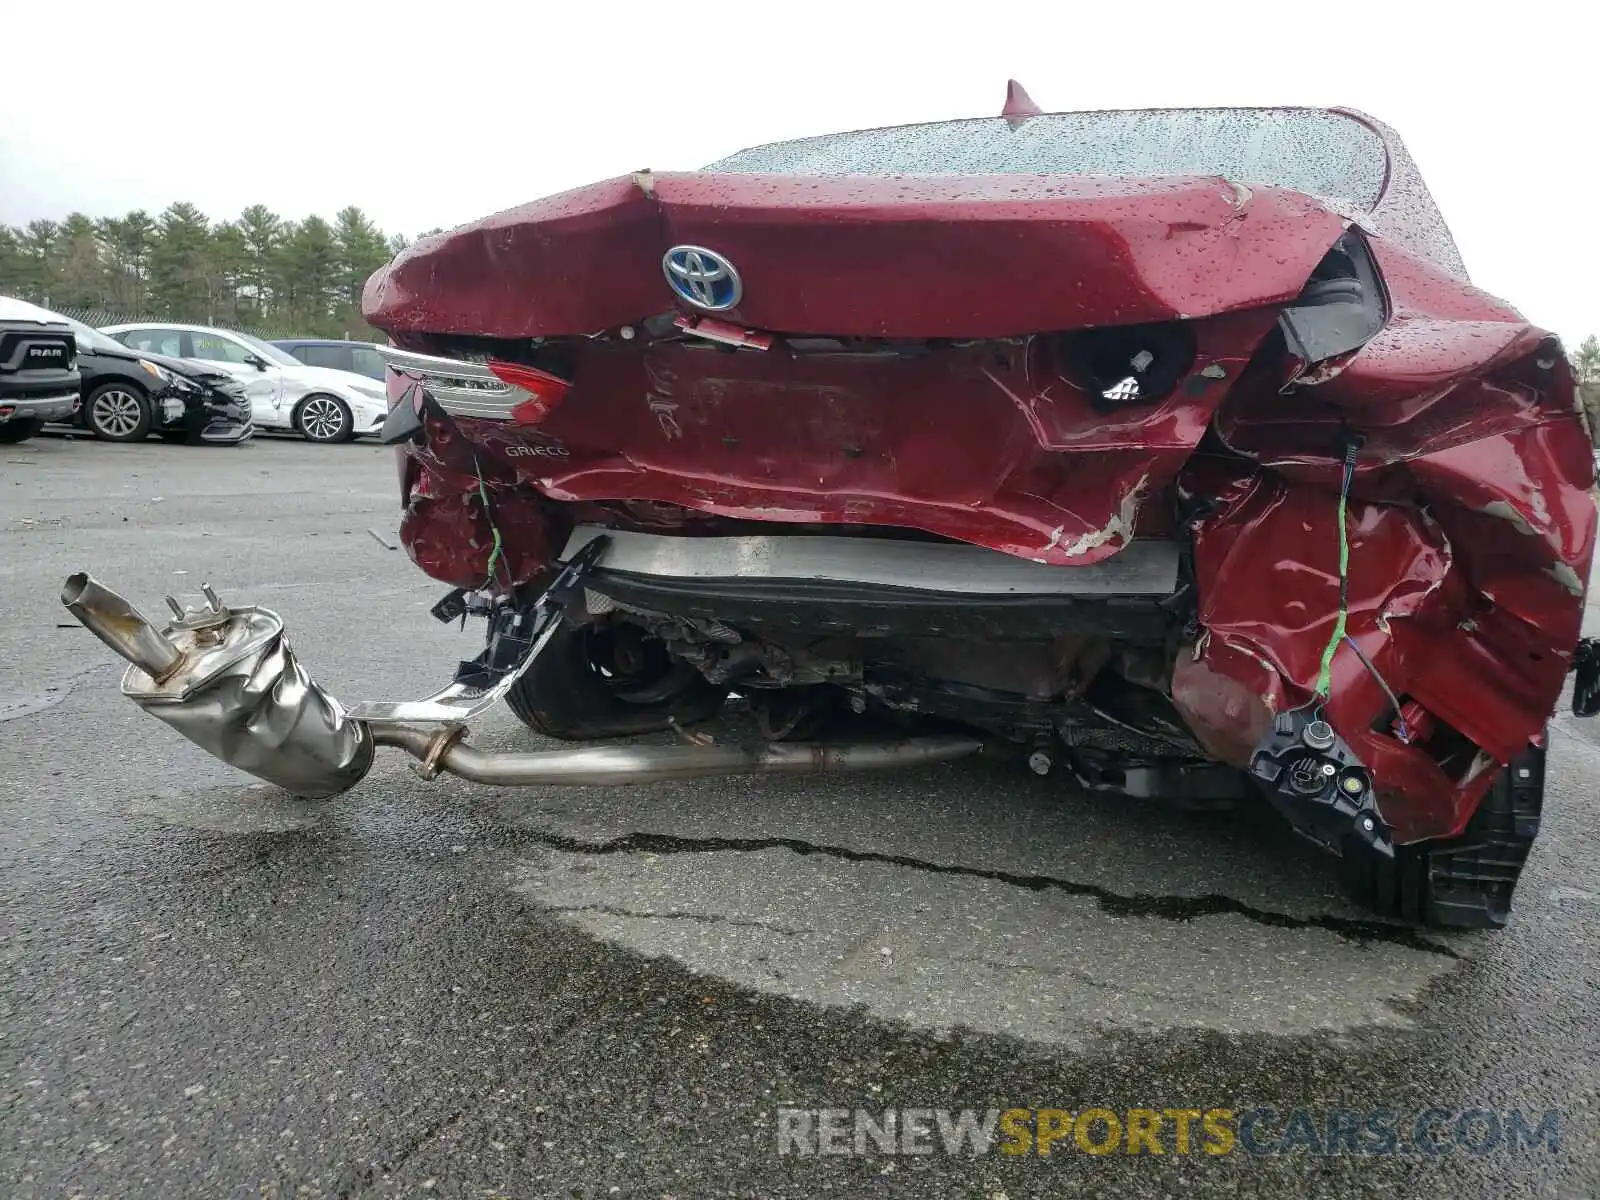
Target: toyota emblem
x: 702, y: 278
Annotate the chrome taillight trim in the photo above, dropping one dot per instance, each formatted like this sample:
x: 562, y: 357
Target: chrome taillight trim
x: 462, y: 388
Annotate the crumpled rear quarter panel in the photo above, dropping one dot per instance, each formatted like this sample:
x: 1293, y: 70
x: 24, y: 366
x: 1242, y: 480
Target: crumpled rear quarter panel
x: 1472, y: 526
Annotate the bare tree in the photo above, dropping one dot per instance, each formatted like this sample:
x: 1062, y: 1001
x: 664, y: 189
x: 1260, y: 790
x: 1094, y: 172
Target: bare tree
x: 1586, y: 367
x: 1586, y: 360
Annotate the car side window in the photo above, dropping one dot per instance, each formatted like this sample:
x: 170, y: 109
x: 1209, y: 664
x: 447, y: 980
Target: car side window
x: 337, y: 357
x: 368, y: 362
x: 215, y: 348
x: 153, y: 341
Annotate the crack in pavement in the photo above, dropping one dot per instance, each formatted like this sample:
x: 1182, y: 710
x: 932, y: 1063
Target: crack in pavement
x: 1116, y: 904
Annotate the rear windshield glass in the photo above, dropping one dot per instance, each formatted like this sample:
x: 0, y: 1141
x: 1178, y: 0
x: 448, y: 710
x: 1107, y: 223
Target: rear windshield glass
x: 1320, y: 153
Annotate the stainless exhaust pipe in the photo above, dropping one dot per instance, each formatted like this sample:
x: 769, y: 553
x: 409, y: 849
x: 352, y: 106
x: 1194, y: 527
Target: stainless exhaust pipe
x: 119, y: 625
x: 442, y: 750
x: 227, y: 680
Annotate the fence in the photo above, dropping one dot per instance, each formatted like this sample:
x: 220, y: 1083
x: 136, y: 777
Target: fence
x: 99, y: 318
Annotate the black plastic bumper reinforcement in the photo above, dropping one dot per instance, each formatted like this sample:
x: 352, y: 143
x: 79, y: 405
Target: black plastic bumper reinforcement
x: 1473, y: 877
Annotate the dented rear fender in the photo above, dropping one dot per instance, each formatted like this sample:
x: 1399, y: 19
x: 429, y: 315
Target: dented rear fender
x: 1472, y: 526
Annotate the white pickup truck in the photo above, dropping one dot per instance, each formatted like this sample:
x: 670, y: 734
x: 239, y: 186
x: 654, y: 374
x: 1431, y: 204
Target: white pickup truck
x: 38, y: 370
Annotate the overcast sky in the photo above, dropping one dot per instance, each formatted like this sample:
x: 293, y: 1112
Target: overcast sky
x: 431, y: 115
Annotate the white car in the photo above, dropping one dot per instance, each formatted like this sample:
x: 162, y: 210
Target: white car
x: 321, y: 404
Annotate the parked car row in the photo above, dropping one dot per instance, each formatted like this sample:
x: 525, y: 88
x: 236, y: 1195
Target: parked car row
x: 183, y: 382
x: 127, y: 394
x: 321, y: 404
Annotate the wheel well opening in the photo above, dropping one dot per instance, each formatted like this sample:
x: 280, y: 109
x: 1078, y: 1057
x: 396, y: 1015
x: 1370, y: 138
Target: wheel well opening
x: 121, y: 381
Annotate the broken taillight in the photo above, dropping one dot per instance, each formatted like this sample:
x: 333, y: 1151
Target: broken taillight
x: 545, y: 390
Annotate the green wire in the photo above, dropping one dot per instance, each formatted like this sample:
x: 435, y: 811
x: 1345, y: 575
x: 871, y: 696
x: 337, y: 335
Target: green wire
x: 1325, y: 674
x: 499, y: 546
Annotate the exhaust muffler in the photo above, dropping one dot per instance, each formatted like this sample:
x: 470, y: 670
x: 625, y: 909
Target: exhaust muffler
x: 227, y: 679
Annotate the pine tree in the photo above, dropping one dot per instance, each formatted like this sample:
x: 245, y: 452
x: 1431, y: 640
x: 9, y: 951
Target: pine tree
x: 127, y: 241
x: 178, y: 264
x: 39, y: 266
x: 262, y: 230
x: 81, y: 273
x: 362, y: 250
x: 308, y: 270
x: 226, y: 268
x: 12, y: 265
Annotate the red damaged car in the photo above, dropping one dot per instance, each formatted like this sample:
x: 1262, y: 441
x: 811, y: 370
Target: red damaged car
x: 1162, y: 449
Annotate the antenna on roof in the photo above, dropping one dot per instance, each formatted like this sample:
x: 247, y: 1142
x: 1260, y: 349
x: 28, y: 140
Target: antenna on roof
x: 1019, y: 105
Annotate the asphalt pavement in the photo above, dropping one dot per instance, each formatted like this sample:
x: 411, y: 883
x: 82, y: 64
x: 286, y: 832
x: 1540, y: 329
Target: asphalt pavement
x: 437, y: 989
